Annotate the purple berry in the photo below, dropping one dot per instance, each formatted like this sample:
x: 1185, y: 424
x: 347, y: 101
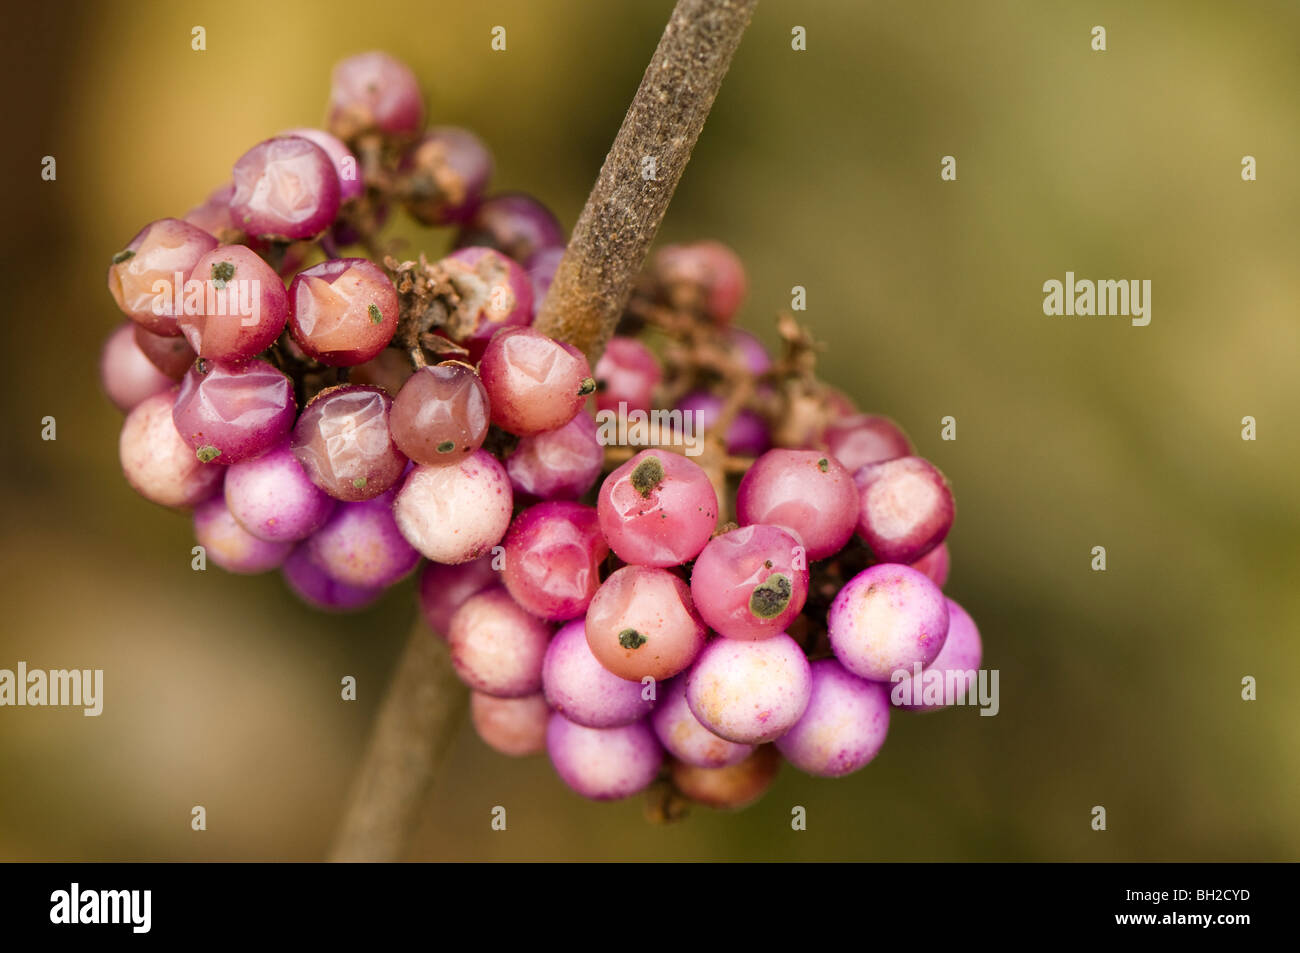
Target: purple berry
x: 361, y: 545
x: 581, y: 689
x: 272, y: 498
x: 125, y: 371
x: 603, y: 763
x: 229, y: 545
x: 952, y: 675
x: 443, y: 588
x: 749, y: 692
x: 233, y: 412
x: 513, y: 223
x: 286, y: 189
x: 558, y: 464
x: 843, y: 727
x: 344, y: 445
x: 341, y: 157
x: 682, y: 735
x: 317, y: 588
x: 886, y: 619
x: 746, y: 435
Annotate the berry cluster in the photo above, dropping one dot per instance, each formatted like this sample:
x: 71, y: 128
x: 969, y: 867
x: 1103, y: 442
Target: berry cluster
x: 339, y: 417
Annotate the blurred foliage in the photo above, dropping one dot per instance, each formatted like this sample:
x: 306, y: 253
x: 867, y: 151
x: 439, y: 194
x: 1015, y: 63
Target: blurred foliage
x: 822, y: 169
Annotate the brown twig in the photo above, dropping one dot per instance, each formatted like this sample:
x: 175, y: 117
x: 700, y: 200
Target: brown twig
x: 424, y: 705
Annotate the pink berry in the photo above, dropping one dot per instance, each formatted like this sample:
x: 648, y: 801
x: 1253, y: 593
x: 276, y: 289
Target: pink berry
x: 343, y: 312
x: 213, y: 214
x: 343, y: 443
x: 447, y: 171
x: 341, y: 157
x: 934, y: 565
x: 534, y: 383
x: 286, y: 189
x: 229, y: 545
x: 126, y: 373
x: 157, y: 461
x: 374, y: 91
x: 172, y: 356
x: 747, y: 434
x: 165, y: 253
x: 440, y: 416
x: 708, y: 270
x: 804, y: 491
x: 603, y: 763
x: 641, y: 622
x: 658, y: 509
x: 864, y: 438
x: 682, y: 735
x: 627, y: 373
x: 494, y: 293
x: 843, y: 727
x: 455, y: 513
x: 239, y: 307
x: 886, y: 619
x: 515, y: 727
x: 443, y: 588
x: 906, y: 508
x: 581, y: 689
x: 954, y: 673
x: 497, y: 647
x: 749, y: 692
x: 558, y: 464
x: 515, y: 224
x: 553, y: 554
x: 750, y: 583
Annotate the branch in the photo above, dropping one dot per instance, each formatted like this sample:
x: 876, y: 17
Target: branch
x: 613, y: 234
x: 425, y: 703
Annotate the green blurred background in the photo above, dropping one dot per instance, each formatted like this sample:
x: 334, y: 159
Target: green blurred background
x: 821, y: 168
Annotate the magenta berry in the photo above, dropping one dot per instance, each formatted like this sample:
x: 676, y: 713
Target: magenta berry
x: 341, y: 157
x: 515, y: 224
x: 582, y: 690
x: 804, y: 491
x: 747, y: 434
x: 455, y: 513
x: 233, y: 412
x: 843, y: 727
x: 658, y: 509
x: 553, y: 554
x: 749, y: 692
x: 906, y: 508
x: 494, y: 291
x: 172, y: 356
x: 320, y: 590
x: 750, y: 583
x: 934, y: 565
x: 360, y: 545
x: 865, y: 438
x: 886, y: 619
x: 558, y: 464
x: 286, y: 189
x: 627, y: 373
